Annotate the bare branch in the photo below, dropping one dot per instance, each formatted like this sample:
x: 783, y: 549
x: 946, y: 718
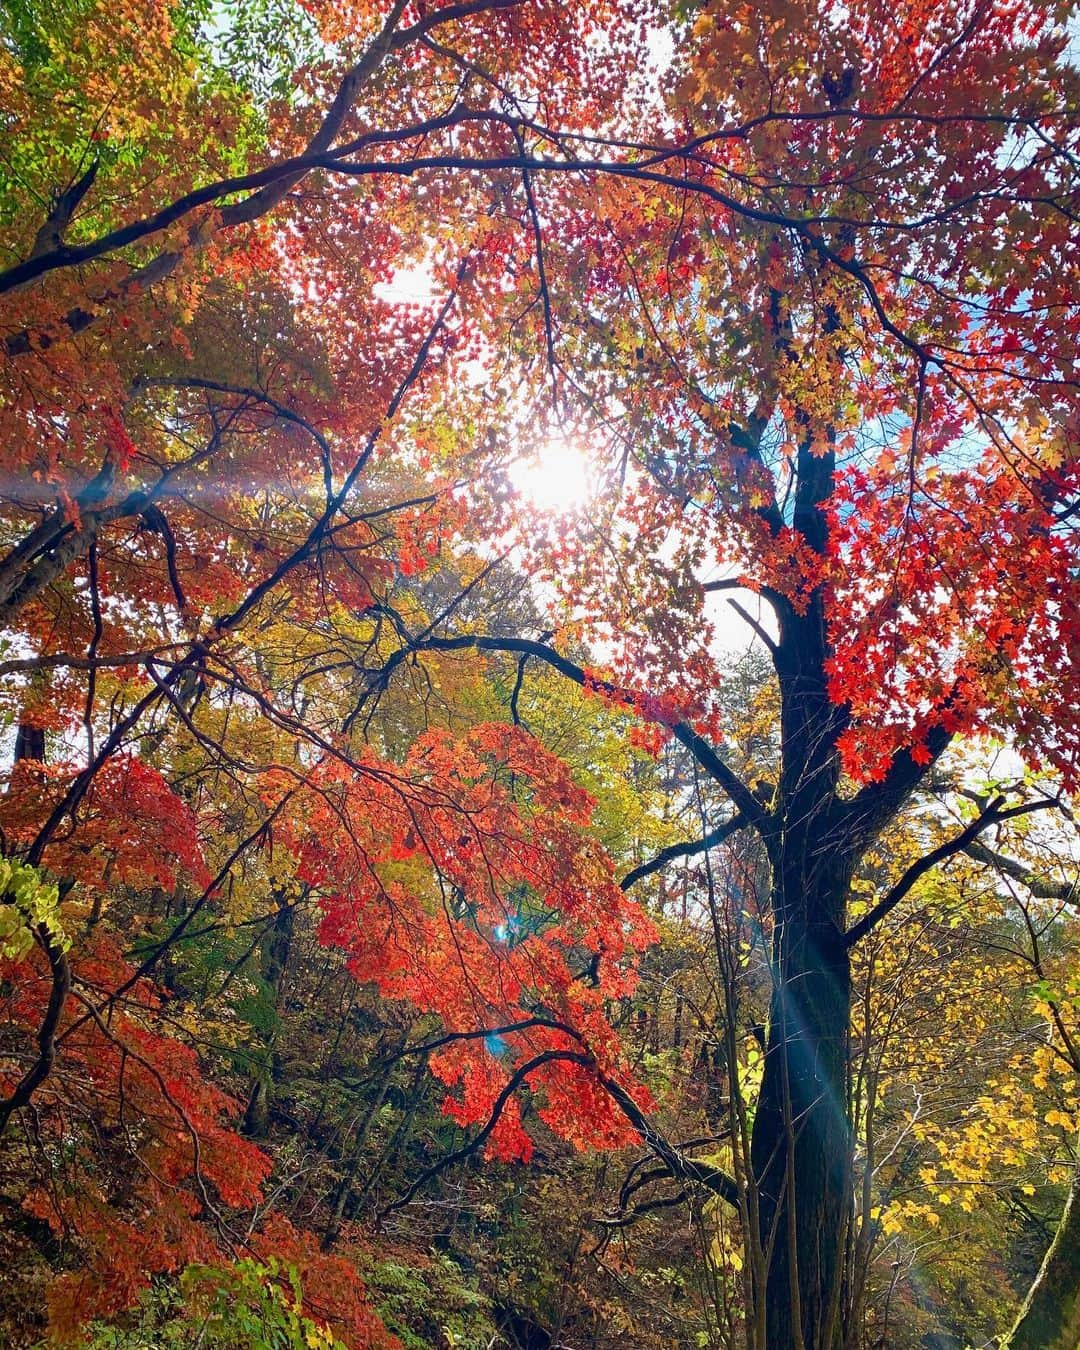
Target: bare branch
x: 689, y: 849
x: 747, y: 617
x: 1043, y: 888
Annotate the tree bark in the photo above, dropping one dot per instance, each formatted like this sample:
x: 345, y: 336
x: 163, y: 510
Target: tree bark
x: 1050, y: 1316
x: 801, y: 1152
x: 801, y: 1146
x: 256, y: 1122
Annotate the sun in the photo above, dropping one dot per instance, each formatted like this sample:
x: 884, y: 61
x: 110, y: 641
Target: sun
x: 410, y: 285
x: 557, y: 479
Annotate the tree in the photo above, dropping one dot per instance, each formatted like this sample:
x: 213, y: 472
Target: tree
x: 814, y: 309
x: 823, y: 346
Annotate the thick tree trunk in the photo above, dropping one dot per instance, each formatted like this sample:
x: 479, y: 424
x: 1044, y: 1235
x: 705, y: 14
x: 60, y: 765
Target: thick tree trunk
x: 801, y: 1144
x: 801, y: 1153
x: 1050, y: 1317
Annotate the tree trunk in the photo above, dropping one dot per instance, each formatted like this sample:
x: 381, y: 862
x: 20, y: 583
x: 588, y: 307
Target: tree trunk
x: 1050, y: 1317
x: 29, y: 743
x: 801, y: 1144
x: 256, y: 1122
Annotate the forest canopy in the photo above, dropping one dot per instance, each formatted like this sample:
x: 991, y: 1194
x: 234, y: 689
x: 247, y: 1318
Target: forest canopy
x: 539, y: 674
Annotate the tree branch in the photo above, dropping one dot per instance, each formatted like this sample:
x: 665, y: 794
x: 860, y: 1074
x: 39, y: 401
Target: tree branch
x: 267, y: 188
x: 712, y: 1178
x: 51, y: 235
x: 60, y: 970
x: 748, y: 618
x: 280, y: 410
x: 1043, y: 888
x: 631, y: 1216
x: 741, y: 795
x: 991, y: 815
x: 747, y: 440
x: 874, y: 805
x: 689, y: 849
x: 459, y: 1155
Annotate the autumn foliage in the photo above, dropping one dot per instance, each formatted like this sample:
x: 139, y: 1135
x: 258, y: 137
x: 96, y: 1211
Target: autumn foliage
x: 336, y: 764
